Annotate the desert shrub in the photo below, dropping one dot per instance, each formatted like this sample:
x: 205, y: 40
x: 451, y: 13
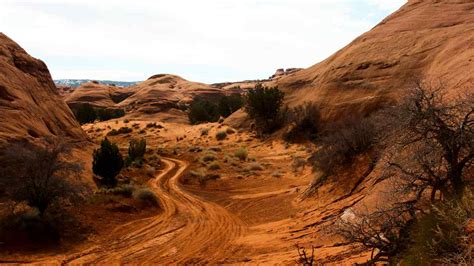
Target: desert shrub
x: 345, y: 140
x: 201, y: 111
x: 215, y: 149
x: 113, y: 132
x: 85, y: 113
x: 136, y: 149
x: 221, y: 135
x: 439, y: 237
x: 263, y: 106
x: 122, y: 130
x: 195, y: 149
x: 209, y: 157
x: 38, y: 175
x: 125, y: 190
x: 204, y: 131
x: 304, y: 122
x: 28, y: 227
x: 241, y: 153
x: 200, y: 174
x: 150, y: 171
x: 214, y: 166
x: 107, y: 163
x: 125, y: 130
x: 433, y: 139
x: 107, y: 114
x: 255, y: 167
x: 229, y: 104
x: 126, y: 121
x: 146, y: 196
x: 298, y: 162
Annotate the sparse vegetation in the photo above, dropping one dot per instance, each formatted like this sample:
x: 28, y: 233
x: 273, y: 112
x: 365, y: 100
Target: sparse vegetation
x: 107, y: 163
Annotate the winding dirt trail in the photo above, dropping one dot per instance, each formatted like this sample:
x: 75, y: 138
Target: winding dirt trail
x: 189, y: 230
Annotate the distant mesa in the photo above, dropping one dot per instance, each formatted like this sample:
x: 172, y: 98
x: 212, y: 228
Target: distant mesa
x: 74, y: 83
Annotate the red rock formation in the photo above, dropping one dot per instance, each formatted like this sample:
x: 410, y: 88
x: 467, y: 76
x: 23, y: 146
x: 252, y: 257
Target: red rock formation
x: 432, y: 39
x: 30, y: 105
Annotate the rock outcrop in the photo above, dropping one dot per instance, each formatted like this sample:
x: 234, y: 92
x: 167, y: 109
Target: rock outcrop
x: 30, y: 105
x: 425, y: 39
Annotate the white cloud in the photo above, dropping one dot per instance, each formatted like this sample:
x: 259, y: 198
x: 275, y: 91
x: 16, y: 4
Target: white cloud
x: 233, y: 39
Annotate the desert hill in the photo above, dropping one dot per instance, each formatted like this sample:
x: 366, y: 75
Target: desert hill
x: 98, y: 95
x: 161, y: 96
x: 30, y: 105
x: 430, y: 39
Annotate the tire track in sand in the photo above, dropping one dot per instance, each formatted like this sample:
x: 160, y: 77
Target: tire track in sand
x: 190, y: 230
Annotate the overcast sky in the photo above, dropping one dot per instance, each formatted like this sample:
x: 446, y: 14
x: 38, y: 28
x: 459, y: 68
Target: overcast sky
x: 200, y: 40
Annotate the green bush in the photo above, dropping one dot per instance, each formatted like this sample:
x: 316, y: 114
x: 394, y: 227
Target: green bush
x: 241, y: 153
x: 107, y: 162
x: 209, y: 157
x: 214, y: 166
x: 137, y: 149
x: 229, y: 104
x: 201, y: 111
x: 263, y: 106
x: 107, y: 114
x: 85, y: 113
x: 146, y: 196
x: 221, y: 135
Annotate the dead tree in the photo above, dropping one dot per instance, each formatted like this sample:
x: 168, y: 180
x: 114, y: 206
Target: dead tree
x: 304, y: 257
x: 384, y: 231
x: 434, y: 147
x: 38, y: 175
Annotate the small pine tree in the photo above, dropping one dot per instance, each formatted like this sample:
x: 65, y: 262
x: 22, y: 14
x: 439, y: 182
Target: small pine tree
x: 107, y: 162
x: 137, y: 149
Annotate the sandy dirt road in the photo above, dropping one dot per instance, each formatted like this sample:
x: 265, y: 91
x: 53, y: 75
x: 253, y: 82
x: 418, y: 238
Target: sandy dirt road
x: 189, y: 230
